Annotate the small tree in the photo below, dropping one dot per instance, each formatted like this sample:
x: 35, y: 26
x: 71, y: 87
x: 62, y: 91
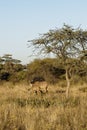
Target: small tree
x: 66, y: 44
x: 9, y: 68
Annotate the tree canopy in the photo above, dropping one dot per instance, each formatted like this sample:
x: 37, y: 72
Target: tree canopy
x: 65, y: 42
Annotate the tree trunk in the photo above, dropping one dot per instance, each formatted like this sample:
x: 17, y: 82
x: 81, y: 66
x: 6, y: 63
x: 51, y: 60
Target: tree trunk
x: 68, y: 83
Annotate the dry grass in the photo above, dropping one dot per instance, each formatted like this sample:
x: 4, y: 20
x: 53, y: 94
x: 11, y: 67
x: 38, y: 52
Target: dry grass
x: 21, y: 110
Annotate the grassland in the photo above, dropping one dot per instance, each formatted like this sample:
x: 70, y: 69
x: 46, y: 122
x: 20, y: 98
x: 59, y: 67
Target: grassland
x: 21, y: 110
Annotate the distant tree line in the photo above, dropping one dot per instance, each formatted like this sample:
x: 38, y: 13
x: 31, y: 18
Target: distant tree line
x: 50, y: 69
x: 11, y: 69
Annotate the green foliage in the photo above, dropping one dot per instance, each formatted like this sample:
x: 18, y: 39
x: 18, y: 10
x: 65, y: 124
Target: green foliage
x: 45, y: 68
x: 11, y: 69
x: 4, y: 75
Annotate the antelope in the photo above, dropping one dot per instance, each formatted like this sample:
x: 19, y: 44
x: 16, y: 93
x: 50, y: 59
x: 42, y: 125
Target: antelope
x: 39, y: 86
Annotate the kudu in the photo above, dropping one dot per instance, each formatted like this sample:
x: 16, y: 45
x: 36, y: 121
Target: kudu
x: 39, y: 86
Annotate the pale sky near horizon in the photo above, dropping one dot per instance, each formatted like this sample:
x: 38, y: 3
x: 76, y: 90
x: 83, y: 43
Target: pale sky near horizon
x: 23, y: 20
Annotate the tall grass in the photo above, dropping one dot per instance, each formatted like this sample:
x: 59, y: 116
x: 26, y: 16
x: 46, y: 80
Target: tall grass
x: 20, y: 110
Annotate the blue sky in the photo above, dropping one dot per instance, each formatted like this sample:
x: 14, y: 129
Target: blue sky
x: 23, y: 20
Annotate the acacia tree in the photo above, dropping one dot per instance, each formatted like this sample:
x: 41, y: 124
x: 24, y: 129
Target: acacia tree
x: 66, y: 44
x: 9, y: 67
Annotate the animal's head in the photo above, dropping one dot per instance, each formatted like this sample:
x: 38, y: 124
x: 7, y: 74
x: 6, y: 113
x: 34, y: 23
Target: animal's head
x: 32, y: 81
